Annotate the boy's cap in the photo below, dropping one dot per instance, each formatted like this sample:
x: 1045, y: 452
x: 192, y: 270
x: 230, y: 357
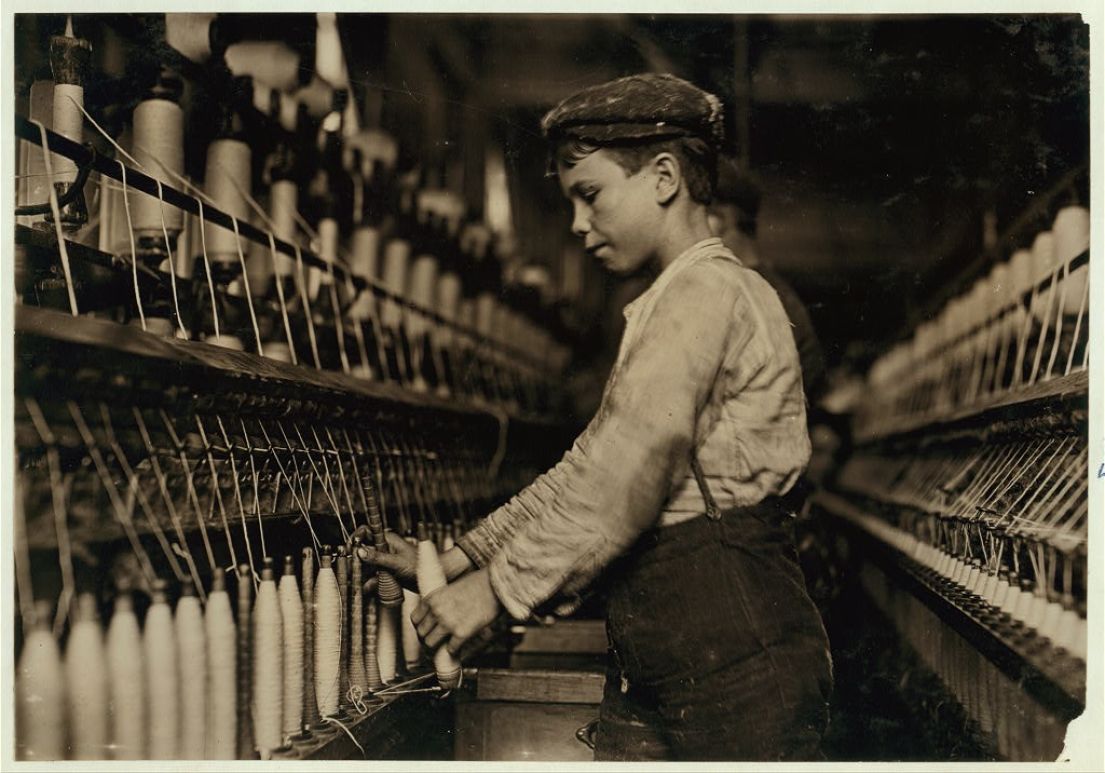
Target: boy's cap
x: 645, y: 106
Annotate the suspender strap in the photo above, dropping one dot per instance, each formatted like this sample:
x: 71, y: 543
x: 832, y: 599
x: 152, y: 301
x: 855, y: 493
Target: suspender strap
x: 712, y: 510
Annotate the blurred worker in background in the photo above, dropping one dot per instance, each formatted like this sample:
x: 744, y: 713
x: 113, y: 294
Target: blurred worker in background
x: 733, y: 217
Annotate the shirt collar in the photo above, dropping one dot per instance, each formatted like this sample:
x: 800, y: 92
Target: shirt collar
x: 684, y: 259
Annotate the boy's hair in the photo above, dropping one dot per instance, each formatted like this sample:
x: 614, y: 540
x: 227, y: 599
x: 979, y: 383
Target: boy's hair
x: 697, y: 158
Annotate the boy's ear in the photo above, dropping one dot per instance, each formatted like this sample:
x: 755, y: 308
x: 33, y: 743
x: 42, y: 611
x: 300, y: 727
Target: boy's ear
x: 669, y: 176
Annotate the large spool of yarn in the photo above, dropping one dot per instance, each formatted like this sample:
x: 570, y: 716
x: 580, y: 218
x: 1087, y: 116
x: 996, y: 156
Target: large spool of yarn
x: 327, y: 638
x: 190, y: 34
x: 222, y: 681
x: 431, y: 577
x: 357, y: 680
x: 191, y: 642
x: 283, y: 204
x: 268, y: 666
x: 412, y: 646
x: 226, y: 181
x: 373, y: 679
x: 162, y: 698
x: 396, y: 263
x: 365, y: 263
x: 40, y: 694
x: 126, y: 682
x: 244, y: 745
x: 342, y: 572
x: 387, y: 641
x: 269, y: 62
x: 159, y: 149
x: 1043, y: 265
x: 1071, y: 233
x: 86, y: 683
x: 291, y: 613
x: 70, y: 58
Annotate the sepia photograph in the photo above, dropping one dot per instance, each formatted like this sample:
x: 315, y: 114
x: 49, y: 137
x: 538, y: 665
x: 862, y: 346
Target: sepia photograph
x: 392, y: 386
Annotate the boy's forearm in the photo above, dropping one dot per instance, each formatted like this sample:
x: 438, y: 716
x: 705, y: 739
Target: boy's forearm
x: 455, y: 562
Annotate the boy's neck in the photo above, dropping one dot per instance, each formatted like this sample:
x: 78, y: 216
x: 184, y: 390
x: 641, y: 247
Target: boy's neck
x: 684, y: 230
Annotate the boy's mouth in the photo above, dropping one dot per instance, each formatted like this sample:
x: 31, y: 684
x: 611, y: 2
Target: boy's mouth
x: 594, y: 248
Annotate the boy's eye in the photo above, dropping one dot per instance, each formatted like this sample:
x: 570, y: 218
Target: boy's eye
x: 589, y: 195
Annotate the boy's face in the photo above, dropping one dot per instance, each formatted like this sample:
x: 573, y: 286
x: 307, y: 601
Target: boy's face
x: 614, y: 212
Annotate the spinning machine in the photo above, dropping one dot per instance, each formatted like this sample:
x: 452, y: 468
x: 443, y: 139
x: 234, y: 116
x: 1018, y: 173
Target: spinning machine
x: 250, y: 337
x: 965, y: 495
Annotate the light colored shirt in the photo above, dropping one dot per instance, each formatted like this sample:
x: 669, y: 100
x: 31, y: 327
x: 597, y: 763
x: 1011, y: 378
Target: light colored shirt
x: 707, y: 361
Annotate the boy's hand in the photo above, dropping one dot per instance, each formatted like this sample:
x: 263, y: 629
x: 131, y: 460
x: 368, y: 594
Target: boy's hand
x: 402, y: 561
x: 457, y: 612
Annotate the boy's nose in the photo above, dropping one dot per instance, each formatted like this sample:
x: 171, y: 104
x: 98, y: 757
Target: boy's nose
x: 581, y: 223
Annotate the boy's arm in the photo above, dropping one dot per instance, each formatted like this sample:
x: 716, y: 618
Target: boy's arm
x: 612, y: 487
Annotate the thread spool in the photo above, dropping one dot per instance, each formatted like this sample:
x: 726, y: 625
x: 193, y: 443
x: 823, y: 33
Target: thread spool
x: 232, y: 342
x: 268, y: 665
x: 269, y: 62
x: 357, y: 678
x: 431, y: 577
x: 158, y: 147
x: 222, y: 679
x: 1071, y: 234
x: 1049, y: 626
x: 412, y: 647
x: 342, y: 575
x: 190, y: 34
x: 70, y: 60
x: 1037, y: 611
x: 40, y: 694
x: 387, y: 641
x: 283, y: 204
x: 1012, y: 601
x: 1043, y: 264
x: 365, y: 262
x: 191, y: 645
x: 1079, y: 642
x: 226, y: 180
x: 327, y: 638
x: 86, y: 683
x: 126, y: 682
x: 310, y: 703
x: 422, y: 284
x: 329, y: 237
x: 448, y: 293
x: 1067, y: 627
x: 396, y: 263
x: 259, y: 271
x: 162, y: 699
x: 486, y: 312
x: 373, y: 679
x: 275, y: 350
x: 245, y: 746
x: 1025, y: 604
x: 291, y: 614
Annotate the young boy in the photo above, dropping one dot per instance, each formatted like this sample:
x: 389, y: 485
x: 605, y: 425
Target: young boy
x: 716, y: 651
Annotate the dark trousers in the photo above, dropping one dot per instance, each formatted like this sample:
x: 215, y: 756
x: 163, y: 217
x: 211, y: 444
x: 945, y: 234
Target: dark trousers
x: 716, y: 650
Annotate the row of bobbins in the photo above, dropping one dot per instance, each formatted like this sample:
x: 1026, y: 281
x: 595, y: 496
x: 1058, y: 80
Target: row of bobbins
x: 142, y: 225
x: 266, y: 677
x: 1025, y: 322
x: 1017, y: 610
